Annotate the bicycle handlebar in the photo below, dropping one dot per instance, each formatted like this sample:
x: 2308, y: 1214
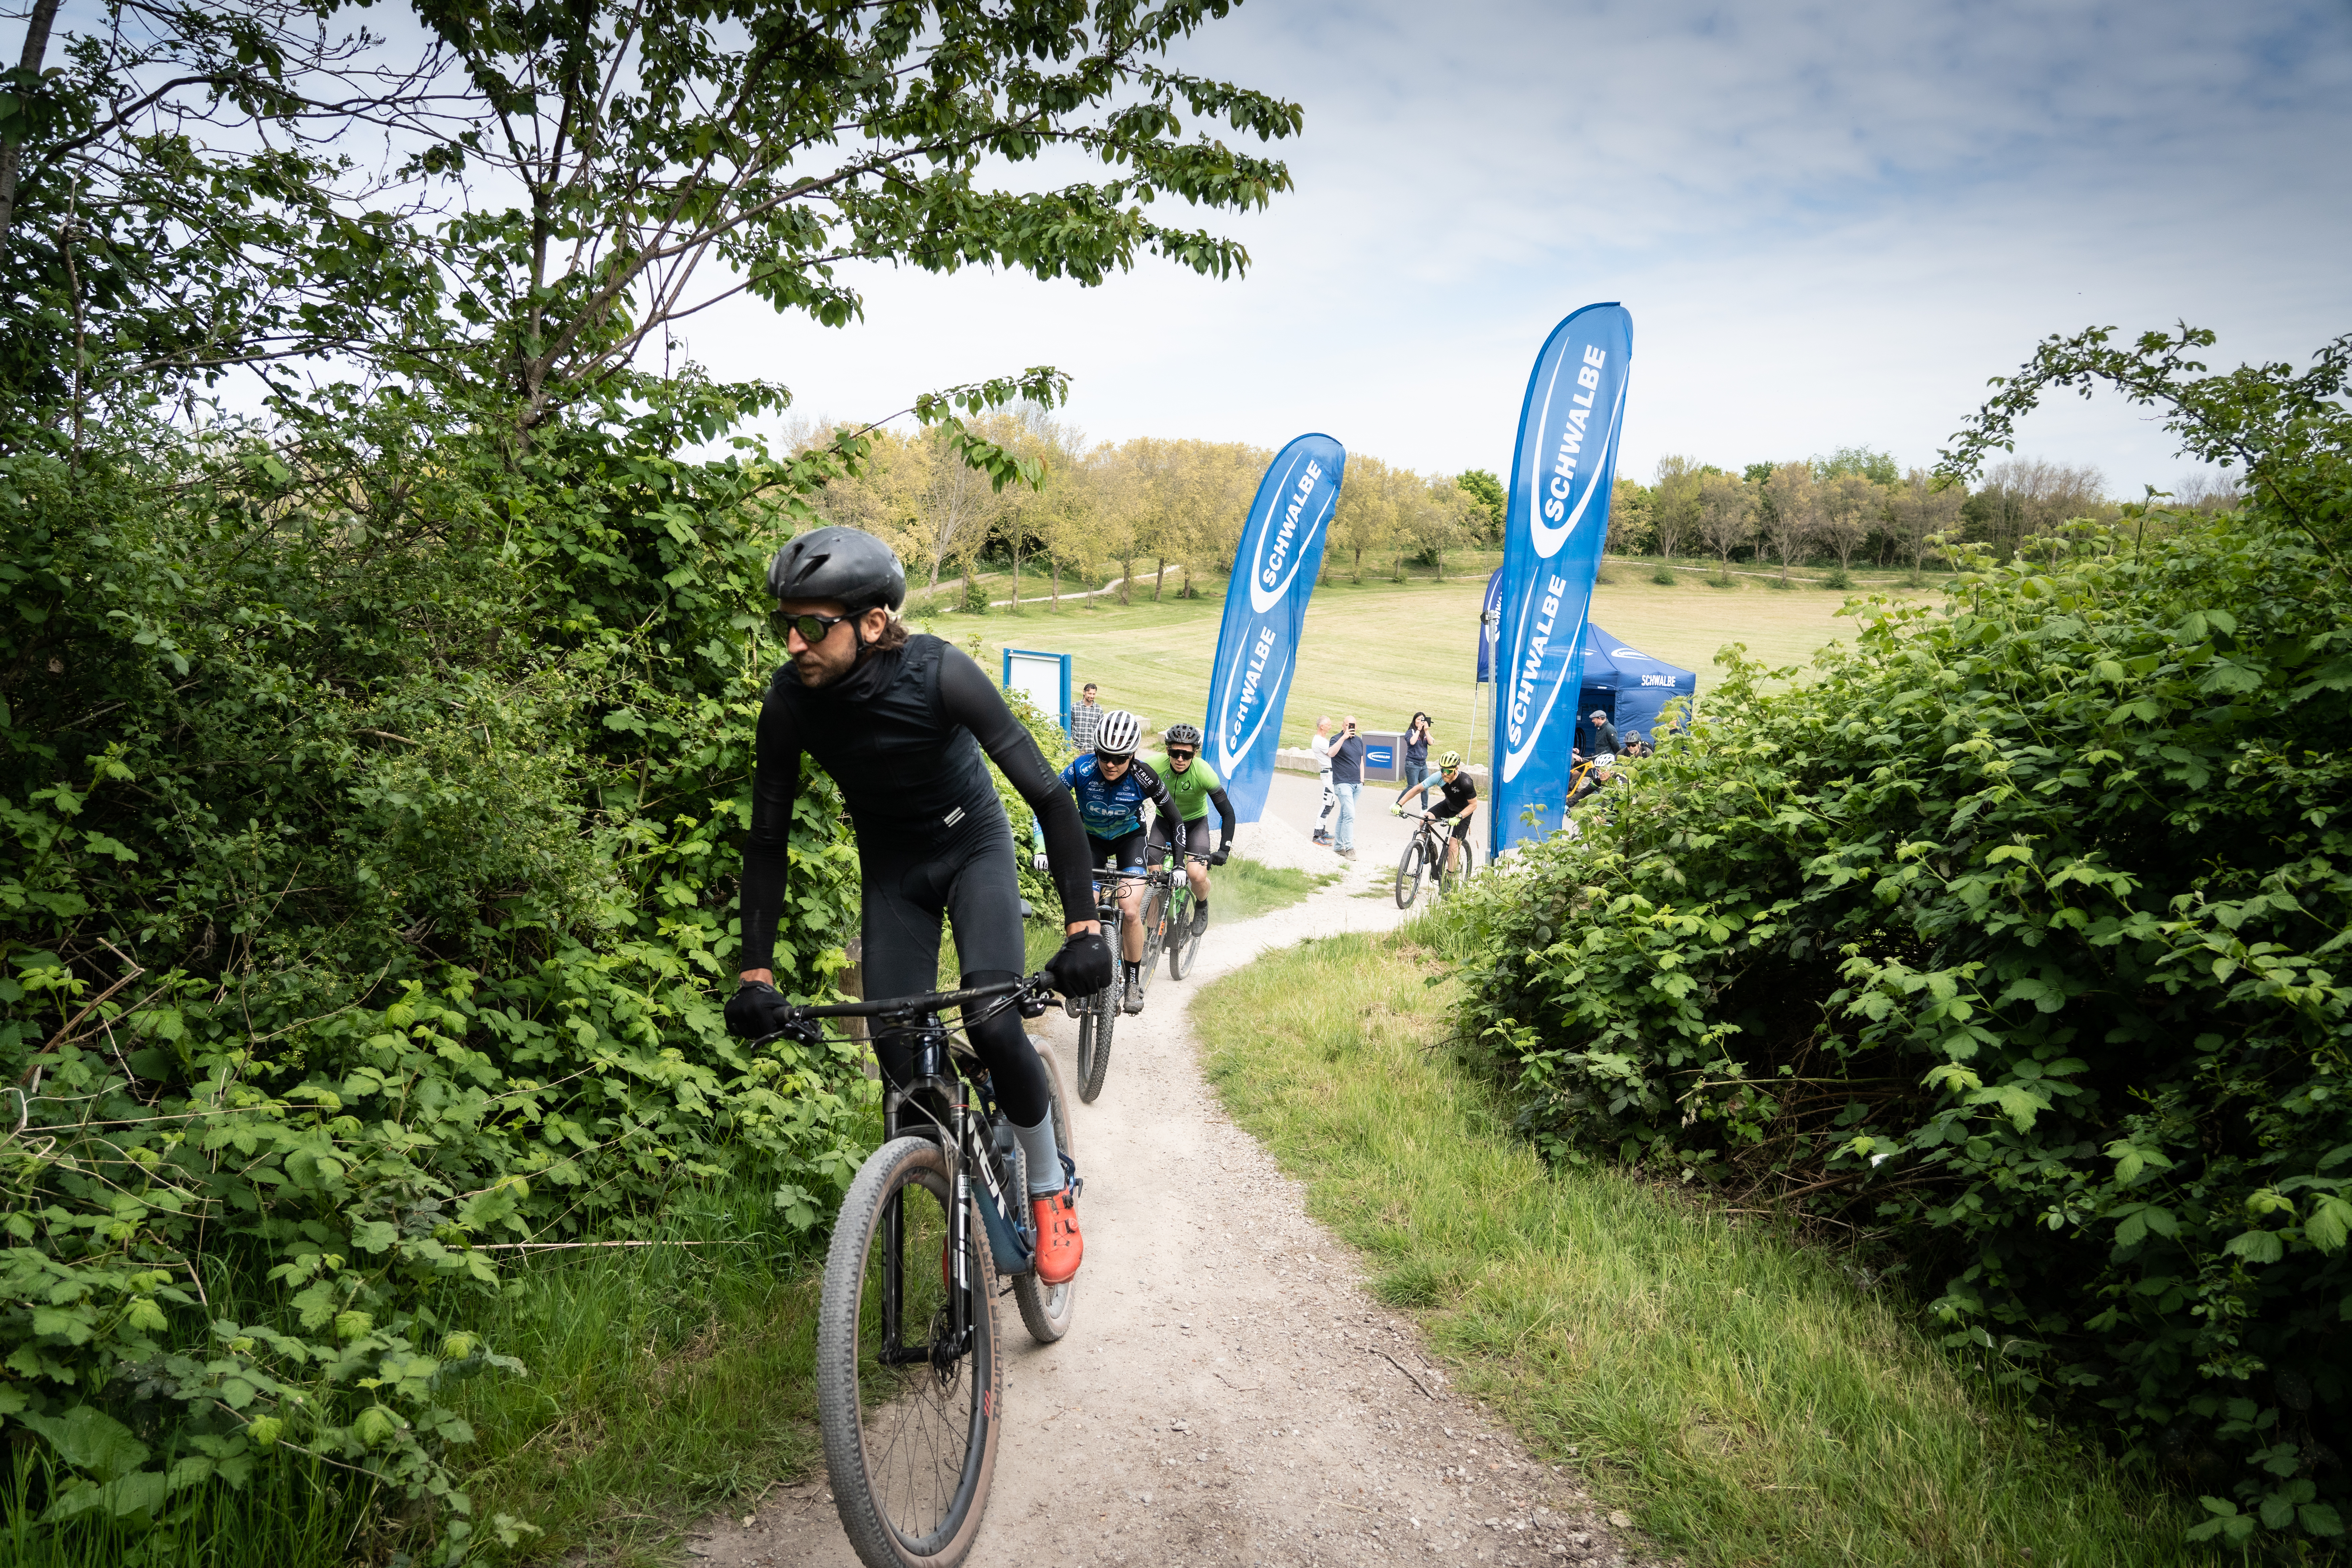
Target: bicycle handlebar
x: 929, y: 1002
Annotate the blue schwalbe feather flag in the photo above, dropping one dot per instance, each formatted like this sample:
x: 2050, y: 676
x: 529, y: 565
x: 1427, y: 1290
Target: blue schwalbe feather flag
x: 1275, y: 567
x: 1558, y: 521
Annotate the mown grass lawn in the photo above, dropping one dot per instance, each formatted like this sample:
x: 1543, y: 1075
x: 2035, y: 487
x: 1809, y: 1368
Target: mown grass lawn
x: 1751, y: 1400
x: 1382, y: 649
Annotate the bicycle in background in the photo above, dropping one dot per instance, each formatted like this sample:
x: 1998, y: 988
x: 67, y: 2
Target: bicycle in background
x: 909, y: 1377
x: 1424, y: 857
x: 1098, y: 1014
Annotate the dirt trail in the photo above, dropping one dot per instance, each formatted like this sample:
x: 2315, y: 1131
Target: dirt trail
x: 1230, y: 1395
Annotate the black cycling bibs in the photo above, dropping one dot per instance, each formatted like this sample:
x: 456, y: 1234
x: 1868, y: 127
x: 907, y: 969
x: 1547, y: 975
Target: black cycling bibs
x: 902, y: 735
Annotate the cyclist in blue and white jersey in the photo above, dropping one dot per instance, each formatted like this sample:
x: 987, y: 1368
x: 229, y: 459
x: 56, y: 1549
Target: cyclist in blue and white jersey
x: 1111, y: 789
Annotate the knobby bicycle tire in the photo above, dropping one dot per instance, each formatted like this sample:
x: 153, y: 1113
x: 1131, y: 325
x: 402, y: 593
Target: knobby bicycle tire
x: 1047, y: 1310
x: 1464, y: 863
x: 1408, y: 877
x: 1094, y: 1041
x: 893, y: 1434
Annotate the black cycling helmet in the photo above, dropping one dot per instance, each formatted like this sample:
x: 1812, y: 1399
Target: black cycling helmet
x: 848, y: 564
x: 1182, y: 735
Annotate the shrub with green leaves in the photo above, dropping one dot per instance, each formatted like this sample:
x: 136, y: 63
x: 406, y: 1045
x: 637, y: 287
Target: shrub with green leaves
x: 374, y: 801
x: 2015, y: 938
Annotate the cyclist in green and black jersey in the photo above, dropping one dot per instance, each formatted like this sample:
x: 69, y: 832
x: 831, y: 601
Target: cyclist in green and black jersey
x: 1194, y: 786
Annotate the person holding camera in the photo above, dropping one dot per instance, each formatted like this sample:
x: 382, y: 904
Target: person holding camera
x: 1416, y: 749
x: 1346, y: 753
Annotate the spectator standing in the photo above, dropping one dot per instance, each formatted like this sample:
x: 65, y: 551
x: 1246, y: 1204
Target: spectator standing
x: 1604, y: 734
x: 1320, y: 744
x: 1347, y: 783
x: 1416, y: 749
x: 1085, y: 719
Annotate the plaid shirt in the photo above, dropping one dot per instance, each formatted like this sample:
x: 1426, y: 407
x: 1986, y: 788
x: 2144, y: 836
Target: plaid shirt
x: 1085, y: 719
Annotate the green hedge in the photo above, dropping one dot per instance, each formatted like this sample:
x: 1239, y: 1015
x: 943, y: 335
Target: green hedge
x: 373, y: 799
x: 2013, y: 939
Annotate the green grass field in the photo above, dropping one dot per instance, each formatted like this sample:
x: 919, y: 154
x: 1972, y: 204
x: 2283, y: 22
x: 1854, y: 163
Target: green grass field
x: 1743, y: 1396
x: 1383, y: 648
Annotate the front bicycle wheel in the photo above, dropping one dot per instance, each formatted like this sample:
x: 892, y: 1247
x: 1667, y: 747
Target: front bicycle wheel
x: 908, y: 1402
x: 1046, y: 1309
x: 1408, y: 877
x: 1093, y: 1042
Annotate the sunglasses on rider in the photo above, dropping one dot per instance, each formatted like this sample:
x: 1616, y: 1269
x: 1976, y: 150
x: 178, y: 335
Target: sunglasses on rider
x: 1180, y: 754
x: 814, y: 628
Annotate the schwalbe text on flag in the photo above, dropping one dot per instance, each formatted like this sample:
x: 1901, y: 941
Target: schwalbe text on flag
x: 1558, y: 521
x: 1275, y: 567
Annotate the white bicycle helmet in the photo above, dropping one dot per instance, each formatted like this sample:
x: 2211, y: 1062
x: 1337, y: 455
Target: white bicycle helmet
x: 1119, y: 734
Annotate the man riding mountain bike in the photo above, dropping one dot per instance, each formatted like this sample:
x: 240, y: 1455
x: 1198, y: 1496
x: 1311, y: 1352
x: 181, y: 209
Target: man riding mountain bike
x: 1194, y: 786
x: 1111, y: 787
x: 899, y: 721
x: 1459, y: 801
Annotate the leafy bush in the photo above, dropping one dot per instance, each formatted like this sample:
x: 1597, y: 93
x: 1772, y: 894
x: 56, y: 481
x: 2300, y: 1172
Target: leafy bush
x: 2015, y: 939
x: 372, y: 797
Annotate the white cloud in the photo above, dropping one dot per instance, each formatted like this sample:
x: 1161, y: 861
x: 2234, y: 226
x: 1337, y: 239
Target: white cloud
x: 1831, y: 224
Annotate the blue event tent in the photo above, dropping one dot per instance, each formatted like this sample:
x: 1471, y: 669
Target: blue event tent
x: 1623, y: 682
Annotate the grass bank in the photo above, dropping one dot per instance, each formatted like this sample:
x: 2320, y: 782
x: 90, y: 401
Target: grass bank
x: 1745, y: 1397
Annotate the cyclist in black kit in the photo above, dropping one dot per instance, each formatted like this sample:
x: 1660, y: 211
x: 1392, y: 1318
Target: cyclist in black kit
x: 899, y: 721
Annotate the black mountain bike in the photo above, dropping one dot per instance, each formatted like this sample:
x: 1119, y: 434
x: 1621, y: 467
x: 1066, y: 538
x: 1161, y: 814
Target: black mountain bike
x: 1425, y: 856
x: 909, y: 1380
x: 1098, y: 1014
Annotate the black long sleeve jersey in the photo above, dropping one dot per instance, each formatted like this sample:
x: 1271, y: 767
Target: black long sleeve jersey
x: 902, y: 735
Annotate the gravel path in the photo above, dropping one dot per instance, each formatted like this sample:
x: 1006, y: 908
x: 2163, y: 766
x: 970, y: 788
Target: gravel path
x: 1230, y: 1394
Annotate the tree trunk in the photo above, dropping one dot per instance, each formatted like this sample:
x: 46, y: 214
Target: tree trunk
x: 36, y: 46
x: 1360, y: 565
x: 1158, y: 578
x: 1439, y: 556
x: 1127, y: 580
x: 1055, y: 566
x: 1014, y: 607
x: 1186, y: 591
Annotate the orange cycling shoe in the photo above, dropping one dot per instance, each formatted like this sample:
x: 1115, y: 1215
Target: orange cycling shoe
x: 1060, y: 1247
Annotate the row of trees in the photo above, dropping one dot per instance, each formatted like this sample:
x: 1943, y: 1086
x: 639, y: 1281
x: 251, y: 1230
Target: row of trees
x: 1855, y: 503
x: 1147, y: 508
x: 1153, y: 507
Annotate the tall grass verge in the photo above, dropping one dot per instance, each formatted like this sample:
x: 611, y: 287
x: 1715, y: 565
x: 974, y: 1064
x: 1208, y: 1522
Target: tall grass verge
x: 1751, y: 1400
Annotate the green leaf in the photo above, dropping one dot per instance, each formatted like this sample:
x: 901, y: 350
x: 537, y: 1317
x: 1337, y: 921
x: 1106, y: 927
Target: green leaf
x: 2319, y: 1518
x: 2256, y: 1246
x: 90, y: 1441
x: 2330, y: 1222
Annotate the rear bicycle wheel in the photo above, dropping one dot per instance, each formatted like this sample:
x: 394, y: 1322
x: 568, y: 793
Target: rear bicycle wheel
x: 1408, y: 877
x: 909, y: 1407
x: 1465, y: 861
x: 1094, y: 1041
x: 1047, y: 1310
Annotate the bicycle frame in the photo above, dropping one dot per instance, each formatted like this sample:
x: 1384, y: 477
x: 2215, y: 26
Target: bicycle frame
x: 933, y: 1073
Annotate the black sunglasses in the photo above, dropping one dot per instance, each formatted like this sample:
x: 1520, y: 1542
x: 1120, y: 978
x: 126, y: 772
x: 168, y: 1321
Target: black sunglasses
x: 1180, y: 754
x: 814, y: 628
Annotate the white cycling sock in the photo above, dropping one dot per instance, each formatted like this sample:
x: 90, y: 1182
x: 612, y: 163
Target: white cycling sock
x: 1044, y: 1160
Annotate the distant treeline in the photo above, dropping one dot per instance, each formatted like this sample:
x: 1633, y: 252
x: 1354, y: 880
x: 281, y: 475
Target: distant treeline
x: 1173, y: 509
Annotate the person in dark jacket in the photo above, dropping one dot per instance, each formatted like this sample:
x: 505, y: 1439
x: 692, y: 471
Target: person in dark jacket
x: 1604, y: 734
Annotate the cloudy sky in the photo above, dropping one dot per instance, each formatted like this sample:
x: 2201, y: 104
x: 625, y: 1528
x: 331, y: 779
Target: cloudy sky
x: 1831, y: 224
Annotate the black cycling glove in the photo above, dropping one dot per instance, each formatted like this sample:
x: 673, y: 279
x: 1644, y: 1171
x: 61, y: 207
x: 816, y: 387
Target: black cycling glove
x: 755, y: 1010
x: 1083, y: 966
x: 1219, y: 858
